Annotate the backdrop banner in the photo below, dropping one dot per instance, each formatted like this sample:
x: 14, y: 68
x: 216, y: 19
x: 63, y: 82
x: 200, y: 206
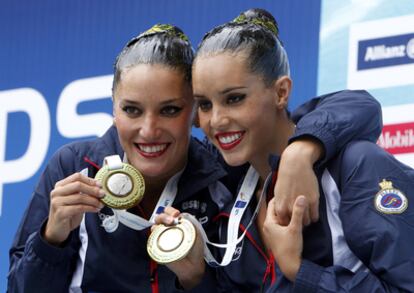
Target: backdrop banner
x: 370, y: 45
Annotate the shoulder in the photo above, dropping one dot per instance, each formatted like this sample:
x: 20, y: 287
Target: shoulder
x: 354, y: 94
x: 366, y: 154
x: 362, y: 165
x: 74, y: 155
x: 71, y: 151
x: 70, y: 158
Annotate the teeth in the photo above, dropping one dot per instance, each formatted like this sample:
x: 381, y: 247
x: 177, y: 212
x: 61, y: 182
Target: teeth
x: 229, y: 138
x: 152, y: 149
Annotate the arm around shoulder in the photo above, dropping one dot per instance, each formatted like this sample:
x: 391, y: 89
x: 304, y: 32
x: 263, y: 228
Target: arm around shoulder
x: 338, y: 118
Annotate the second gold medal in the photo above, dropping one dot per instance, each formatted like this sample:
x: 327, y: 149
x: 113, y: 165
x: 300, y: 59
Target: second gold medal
x: 167, y: 244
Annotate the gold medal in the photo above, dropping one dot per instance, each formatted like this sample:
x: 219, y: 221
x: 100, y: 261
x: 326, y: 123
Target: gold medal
x: 167, y: 244
x: 124, y: 185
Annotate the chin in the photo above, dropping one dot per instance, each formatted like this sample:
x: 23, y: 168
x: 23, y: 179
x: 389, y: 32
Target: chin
x: 153, y: 171
x: 234, y: 161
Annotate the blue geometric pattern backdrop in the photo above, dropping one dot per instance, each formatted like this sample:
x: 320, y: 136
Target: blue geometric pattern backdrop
x: 56, y: 62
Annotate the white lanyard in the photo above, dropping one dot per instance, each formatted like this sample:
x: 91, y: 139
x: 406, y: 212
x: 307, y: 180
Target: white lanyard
x: 110, y: 223
x: 243, y: 198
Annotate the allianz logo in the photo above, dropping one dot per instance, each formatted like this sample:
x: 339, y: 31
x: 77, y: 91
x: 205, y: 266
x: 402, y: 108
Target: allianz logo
x: 380, y: 52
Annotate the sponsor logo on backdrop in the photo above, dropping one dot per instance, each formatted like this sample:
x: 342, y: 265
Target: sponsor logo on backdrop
x: 397, y: 135
x: 381, y: 53
x: 398, y: 138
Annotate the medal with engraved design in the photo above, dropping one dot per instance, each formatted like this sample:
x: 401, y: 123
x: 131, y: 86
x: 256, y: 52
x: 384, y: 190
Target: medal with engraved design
x: 167, y: 244
x: 124, y: 185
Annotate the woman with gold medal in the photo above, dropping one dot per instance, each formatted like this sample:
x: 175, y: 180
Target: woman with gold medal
x: 84, y: 234
x: 363, y: 238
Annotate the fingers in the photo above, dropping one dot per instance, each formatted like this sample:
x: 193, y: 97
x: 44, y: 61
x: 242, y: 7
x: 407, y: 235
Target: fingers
x: 270, y: 212
x: 78, y: 177
x: 74, y: 210
x: 172, y: 211
x: 314, y: 210
x: 306, y: 217
x: 282, y: 211
x: 298, y: 213
x: 77, y: 200
x: 168, y: 217
x: 164, y: 219
x: 77, y: 187
x: 79, y: 191
x: 77, y: 184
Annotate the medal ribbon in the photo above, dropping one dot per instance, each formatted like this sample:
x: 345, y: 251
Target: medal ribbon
x: 133, y: 221
x: 167, y: 198
x: 243, y: 198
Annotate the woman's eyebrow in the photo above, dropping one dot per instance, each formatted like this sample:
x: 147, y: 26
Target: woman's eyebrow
x: 229, y: 89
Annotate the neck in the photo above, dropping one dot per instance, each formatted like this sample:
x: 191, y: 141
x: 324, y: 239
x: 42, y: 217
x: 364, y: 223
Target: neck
x: 276, y: 146
x: 152, y: 194
x: 154, y: 186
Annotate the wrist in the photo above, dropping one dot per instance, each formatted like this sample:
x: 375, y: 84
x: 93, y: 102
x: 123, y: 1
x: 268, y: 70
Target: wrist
x: 307, y: 149
x: 190, y: 280
x: 52, y: 238
x: 291, y: 269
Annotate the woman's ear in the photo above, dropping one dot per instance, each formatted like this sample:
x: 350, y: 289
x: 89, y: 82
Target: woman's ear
x: 283, y: 86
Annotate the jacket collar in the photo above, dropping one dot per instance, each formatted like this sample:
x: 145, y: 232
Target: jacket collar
x: 202, y: 170
x: 106, y: 145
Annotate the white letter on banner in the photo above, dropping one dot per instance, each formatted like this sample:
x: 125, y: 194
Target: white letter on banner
x: 72, y: 125
x: 31, y: 102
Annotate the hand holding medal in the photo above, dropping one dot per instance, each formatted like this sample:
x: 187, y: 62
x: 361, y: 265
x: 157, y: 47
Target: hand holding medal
x: 175, y: 237
x: 177, y: 243
x: 124, y: 185
x: 171, y: 240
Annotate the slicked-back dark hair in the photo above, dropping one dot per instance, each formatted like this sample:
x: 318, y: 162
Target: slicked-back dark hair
x: 162, y: 44
x: 255, y: 33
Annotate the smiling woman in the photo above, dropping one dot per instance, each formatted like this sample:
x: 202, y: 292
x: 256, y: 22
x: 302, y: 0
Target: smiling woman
x: 154, y: 122
x: 241, y: 80
x: 242, y: 85
x: 66, y: 227
x: 238, y: 110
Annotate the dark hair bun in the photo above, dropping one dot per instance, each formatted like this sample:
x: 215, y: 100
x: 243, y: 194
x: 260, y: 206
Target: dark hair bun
x: 259, y: 17
x: 167, y: 29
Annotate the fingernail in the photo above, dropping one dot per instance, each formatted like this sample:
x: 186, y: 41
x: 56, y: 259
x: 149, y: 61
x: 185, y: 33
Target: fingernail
x: 176, y: 221
x: 101, y: 206
x: 101, y: 193
x: 98, y: 183
x: 301, y: 201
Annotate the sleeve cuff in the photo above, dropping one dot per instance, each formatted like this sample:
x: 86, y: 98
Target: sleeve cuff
x: 47, y: 252
x: 308, y: 277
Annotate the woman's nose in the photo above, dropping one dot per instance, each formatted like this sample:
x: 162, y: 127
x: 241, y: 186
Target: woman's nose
x: 150, y: 129
x: 219, y: 118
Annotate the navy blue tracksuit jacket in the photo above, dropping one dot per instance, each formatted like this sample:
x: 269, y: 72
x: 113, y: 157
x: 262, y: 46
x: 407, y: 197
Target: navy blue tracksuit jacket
x: 93, y: 260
